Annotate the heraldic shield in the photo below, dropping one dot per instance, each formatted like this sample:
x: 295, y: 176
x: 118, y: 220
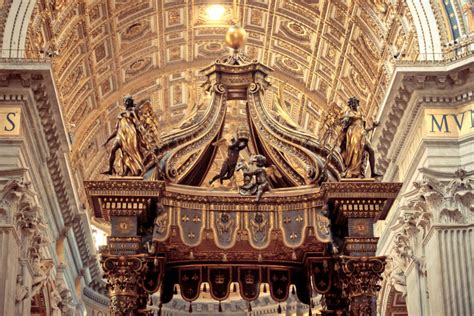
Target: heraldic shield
x: 153, y: 275
x: 219, y: 282
x: 190, y: 282
x: 249, y: 282
x: 279, y: 280
x: 321, y: 271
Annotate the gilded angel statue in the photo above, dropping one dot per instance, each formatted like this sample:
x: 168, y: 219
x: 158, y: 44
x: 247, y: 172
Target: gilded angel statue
x: 354, y: 142
x: 134, y: 139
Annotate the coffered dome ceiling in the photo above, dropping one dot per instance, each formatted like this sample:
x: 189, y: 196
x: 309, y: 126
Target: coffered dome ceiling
x: 322, y: 52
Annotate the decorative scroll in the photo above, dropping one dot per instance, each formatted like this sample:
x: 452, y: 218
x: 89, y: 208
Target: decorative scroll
x: 183, y: 159
x: 279, y: 280
x: 162, y: 222
x: 293, y: 225
x: 249, y: 282
x: 219, y: 282
x: 323, y: 226
x: 225, y: 228
x: 280, y: 142
x: 190, y: 282
x: 191, y: 223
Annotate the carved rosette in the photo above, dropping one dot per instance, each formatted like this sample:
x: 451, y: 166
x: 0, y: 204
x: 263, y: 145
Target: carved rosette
x: 125, y: 277
x: 360, y: 278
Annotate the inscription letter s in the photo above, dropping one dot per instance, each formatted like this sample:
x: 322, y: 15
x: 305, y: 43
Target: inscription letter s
x: 10, y: 120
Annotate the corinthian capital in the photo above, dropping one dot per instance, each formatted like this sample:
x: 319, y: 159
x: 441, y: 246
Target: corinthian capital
x: 360, y: 281
x: 125, y: 276
x: 448, y: 203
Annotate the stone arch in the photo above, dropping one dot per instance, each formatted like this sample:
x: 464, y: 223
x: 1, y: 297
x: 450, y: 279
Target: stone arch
x: 16, y: 27
x: 390, y: 301
x: 427, y: 29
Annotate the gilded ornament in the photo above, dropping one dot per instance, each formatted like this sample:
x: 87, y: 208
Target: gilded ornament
x: 127, y: 141
x: 355, y: 143
x: 235, y: 37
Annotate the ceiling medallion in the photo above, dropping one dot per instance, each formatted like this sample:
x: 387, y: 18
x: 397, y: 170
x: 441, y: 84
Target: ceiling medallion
x: 138, y: 65
x: 295, y: 31
x: 297, y: 28
x: 134, y: 31
x: 289, y: 64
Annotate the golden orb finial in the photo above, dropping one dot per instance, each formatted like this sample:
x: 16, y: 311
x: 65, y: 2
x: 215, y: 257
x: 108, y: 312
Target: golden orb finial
x: 235, y: 37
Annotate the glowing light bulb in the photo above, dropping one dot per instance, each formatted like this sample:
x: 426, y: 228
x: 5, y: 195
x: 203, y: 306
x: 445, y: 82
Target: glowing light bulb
x: 215, y: 12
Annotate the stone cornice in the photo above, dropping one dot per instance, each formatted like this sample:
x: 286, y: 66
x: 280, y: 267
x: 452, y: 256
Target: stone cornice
x: 33, y: 83
x: 411, y: 87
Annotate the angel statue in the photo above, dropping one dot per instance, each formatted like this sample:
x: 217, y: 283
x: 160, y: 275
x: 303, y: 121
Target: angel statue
x: 354, y: 142
x: 135, y: 135
x: 255, y: 177
x: 237, y: 143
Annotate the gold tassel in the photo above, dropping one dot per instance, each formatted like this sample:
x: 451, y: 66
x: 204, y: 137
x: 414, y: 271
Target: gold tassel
x: 220, y: 307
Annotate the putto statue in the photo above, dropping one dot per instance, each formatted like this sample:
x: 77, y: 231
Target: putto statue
x: 355, y: 143
x: 255, y: 177
x: 135, y: 137
x: 237, y: 143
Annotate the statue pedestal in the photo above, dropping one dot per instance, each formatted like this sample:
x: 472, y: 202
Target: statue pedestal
x: 353, y: 206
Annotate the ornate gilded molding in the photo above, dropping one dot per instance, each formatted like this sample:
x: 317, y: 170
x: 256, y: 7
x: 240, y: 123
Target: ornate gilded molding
x: 125, y: 277
x: 360, y: 282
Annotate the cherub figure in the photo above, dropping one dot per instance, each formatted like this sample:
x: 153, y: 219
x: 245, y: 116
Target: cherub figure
x: 233, y: 150
x: 255, y: 177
